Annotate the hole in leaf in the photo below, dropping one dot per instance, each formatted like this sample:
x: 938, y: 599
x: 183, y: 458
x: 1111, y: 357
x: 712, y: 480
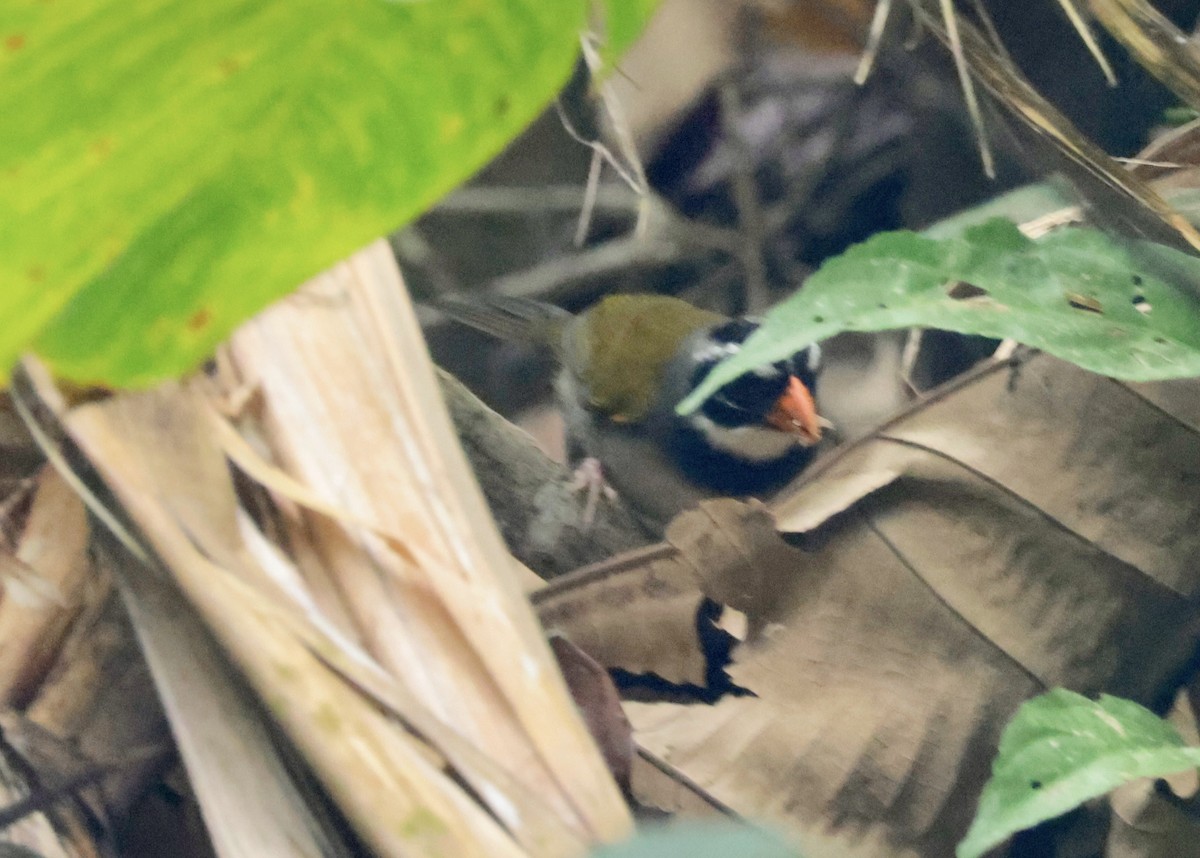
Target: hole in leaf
x: 961, y: 291
x: 1137, y: 280
x: 1035, y: 784
x: 1084, y: 302
x: 1141, y: 304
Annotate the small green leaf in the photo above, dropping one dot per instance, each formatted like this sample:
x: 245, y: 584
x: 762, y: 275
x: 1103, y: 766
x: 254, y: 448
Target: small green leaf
x: 1076, y: 293
x: 700, y: 840
x: 1062, y: 749
x: 167, y: 168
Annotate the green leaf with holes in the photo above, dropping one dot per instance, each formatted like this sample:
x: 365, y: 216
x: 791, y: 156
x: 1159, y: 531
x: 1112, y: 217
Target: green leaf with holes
x: 1062, y: 749
x: 1126, y: 309
x: 167, y: 168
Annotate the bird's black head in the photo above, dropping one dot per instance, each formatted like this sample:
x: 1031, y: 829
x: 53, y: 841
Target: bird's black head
x: 753, y: 398
x: 756, y: 432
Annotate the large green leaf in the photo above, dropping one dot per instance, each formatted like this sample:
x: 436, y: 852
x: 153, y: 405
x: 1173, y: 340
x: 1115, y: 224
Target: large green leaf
x: 169, y: 167
x: 1062, y: 749
x: 1076, y: 293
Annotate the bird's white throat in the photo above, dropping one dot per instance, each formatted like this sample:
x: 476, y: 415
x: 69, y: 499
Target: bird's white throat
x: 752, y: 443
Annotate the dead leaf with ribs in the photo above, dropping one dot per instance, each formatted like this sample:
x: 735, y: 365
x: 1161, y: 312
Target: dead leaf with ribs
x: 1029, y: 526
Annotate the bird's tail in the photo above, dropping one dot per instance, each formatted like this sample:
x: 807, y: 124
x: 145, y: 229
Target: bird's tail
x: 521, y: 320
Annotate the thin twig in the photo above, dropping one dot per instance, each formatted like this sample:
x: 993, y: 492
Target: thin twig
x: 596, y: 146
x: 556, y: 277
x: 968, y: 87
x: 618, y: 123
x: 989, y: 27
x: 908, y: 359
x: 883, y: 10
x: 1047, y: 223
x: 1143, y: 162
x: 670, y: 239
x: 589, y: 199
x: 1089, y: 39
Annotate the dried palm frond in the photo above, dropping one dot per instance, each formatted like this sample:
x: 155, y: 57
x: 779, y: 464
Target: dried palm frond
x: 370, y: 603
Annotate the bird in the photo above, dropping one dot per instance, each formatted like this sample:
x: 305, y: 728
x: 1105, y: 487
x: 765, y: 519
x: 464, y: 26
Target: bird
x: 627, y: 361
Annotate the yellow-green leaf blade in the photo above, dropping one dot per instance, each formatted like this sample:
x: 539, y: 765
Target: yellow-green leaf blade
x: 168, y: 168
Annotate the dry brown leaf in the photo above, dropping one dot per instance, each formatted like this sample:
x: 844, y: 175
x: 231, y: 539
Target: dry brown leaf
x: 1167, y: 152
x: 53, y: 551
x: 1171, y: 163
x: 19, y: 455
x: 660, y: 787
x: 595, y: 694
x: 1148, y: 823
x: 1160, y: 818
x: 1115, y: 197
x: 100, y: 698
x: 342, y: 370
x: 91, y: 736
x: 1031, y: 525
x: 635, y: 591
x: 249, y: 799
x: 38, y: 835
x: 375, y: 771
x: 431, y: 671
x: 1157, y: 44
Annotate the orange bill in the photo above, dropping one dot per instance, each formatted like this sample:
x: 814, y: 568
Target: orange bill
x: 795, y: 412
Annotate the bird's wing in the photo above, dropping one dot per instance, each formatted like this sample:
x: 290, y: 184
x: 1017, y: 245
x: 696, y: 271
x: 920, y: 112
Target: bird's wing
x: 520, y: 320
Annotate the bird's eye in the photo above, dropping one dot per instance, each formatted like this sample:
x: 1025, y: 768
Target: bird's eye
x: 746, y: 400
x: 722, y: 399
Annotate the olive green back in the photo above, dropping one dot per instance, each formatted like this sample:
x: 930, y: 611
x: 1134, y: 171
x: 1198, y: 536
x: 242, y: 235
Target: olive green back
x: 625, y: 344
